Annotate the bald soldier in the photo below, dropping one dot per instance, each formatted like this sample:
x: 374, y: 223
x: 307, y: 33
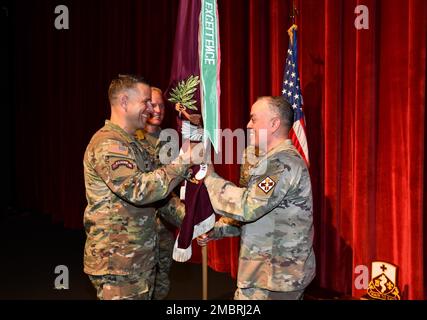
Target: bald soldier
x: 165, y: 228
x: 273, y: 206
x: 122, y: 190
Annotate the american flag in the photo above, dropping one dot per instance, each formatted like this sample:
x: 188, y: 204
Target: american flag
x: 291, y: 91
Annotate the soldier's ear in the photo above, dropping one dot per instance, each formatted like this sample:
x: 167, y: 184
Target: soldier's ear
x: 123, y: 99
x: 275, y: 124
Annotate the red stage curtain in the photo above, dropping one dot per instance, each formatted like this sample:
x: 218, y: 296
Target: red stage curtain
x: 61, y: 81
x: 365, y: 103
x: 364, y: 94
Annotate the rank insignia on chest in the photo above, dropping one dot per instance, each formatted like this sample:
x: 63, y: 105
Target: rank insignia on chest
x: 140, y: 134
x: 119, y: 163
x: 267, y: 184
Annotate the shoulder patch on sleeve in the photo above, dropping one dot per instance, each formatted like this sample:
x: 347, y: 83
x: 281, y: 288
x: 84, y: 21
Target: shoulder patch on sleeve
x: 118, y: 148
x: 267, y: 184
x: 120, y: 167
x: 123, y: 162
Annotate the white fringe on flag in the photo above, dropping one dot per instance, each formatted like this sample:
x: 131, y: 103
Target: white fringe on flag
x: 181, y: 254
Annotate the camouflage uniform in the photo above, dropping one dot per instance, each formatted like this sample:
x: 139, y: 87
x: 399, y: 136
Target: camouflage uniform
x: 123, y: 189
x: 129, y: 287
x: 227, y: 227
x: 249, y: 158
x: 165, y: 234
x: 276, y: 259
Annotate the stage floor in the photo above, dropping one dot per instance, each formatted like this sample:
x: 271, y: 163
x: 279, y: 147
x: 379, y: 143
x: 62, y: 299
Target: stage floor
x: 32, y: 247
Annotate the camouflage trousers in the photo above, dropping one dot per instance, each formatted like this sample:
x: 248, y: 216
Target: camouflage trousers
x: 126, y: 287
x: 165, y: 249
x: 264, y: 294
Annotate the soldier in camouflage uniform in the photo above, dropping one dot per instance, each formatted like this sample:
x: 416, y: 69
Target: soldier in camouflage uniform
x: 123, y: 189
x: 165, y: 229
x: 276, y: 259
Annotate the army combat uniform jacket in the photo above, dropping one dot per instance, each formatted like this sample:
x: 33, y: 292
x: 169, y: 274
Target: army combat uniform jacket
x: 122, y: 188
x: 276, y: 210
x: 164, y: 227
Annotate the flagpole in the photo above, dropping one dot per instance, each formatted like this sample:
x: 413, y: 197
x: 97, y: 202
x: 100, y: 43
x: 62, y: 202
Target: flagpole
x: 205, y: 247
x: 291, y: 90
x: 205, y: 272
x: 294, y: 12
x: 209, y: 82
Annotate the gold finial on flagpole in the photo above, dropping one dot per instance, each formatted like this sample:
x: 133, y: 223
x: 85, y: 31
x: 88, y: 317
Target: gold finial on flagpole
x: 291, y: 32
x: 293, y: 17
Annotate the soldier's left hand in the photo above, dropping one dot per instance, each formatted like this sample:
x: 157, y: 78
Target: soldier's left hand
x: 197, y: 153
x: 192, y: 152
x: 203, y: 239
x: 210, y: 170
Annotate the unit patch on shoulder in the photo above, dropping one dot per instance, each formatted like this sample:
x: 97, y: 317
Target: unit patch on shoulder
x: 119, y: 163
x: 267, y: 184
